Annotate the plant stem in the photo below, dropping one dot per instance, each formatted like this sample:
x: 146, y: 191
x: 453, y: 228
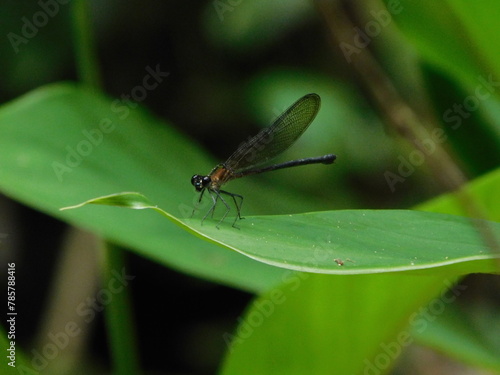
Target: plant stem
x: 85, y: 56
x: 118, y: 313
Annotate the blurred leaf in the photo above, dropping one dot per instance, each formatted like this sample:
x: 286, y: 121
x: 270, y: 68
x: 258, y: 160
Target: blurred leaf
x: 456, y: 36
x: 327, y: 324
x: 480, y: 22
x: 485, y: 191
x: 462, y: 125
x: 248, y: 25
x: 457, y: 41
x: 455, y: 334
x: 61, y: 145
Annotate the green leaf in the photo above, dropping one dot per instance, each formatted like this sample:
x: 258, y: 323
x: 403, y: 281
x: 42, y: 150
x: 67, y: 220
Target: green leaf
x: 358, y: 324
x: 131, y: 200
x: 62, y: 145
x: 331, y: 324
x: 455, y: 36
x: 480, y: 23
x: 456, y: 41
x: 454, y: 333
x: 362, y: 241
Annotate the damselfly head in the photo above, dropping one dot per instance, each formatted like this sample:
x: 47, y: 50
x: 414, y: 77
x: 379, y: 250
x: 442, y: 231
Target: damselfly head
x: 200, y: 182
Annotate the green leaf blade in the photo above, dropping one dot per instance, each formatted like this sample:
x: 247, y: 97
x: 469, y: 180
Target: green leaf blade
x: 46, y: 127
x: 346, y: 241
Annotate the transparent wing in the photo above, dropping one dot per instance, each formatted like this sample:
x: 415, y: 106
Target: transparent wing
x: 275, y: 139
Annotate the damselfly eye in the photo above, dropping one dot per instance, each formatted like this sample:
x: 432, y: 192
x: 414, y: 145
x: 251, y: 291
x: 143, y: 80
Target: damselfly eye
x: 196, y: 181
x: 205, y: 181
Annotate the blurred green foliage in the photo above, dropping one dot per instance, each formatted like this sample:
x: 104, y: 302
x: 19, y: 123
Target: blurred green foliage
x: 230, y: 67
